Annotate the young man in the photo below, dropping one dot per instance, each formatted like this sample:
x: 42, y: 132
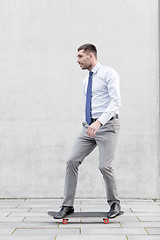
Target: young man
x: 101, y: 127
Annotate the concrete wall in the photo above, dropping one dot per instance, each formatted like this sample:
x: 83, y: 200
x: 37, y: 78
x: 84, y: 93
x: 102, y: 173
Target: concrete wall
x: 159, y: 100
x: 41, y: 96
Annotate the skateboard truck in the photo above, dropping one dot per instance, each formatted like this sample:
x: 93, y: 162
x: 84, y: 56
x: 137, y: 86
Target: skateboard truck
x: 105, y: 220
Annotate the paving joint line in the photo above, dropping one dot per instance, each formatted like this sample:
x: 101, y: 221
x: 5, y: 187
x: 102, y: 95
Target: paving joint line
x: 138, y: 219
x: 120, y: 224
x: 126, y: 236
x: 23, y: 219
x: 146, y: 231
x: 13, y: 231
x: 8, y: 214
x: 131, y: 210
x: 30, y: 210
x: 55, y: 237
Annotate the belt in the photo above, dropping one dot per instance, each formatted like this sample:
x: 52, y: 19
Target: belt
x: 94, y: 119
x: 114, y: 117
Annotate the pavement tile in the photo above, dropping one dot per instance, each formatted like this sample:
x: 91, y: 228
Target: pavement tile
x: 153, y: 230
x: 28, y: 214
x: 155, y: 214
x: 141, y: 220
x: 8, y: 210
x: 28, y: 225
x: 93, y: 203
x: 112, y: 231
x: 142, y: 203
x: 10, y: 203
x: 8, y: 225
x: 37, y: 219
x: 38, y: 225
x: 93, y: 208
x: 40, y: 204
x: 45, y: 210
x: 142, y: 237
x: 41, y: 201
x: 34, y: 206
x: 8, y: 206
x: 49, y: 231
x: 11, y: 219
x: 92, y: 200
x: 137, y: 200
x: 140, y: 224
x: 44, y: 199
x: 125, y: 218
x: 46, y: 203
x: 3, y: 214
x: 92, y: 237
x: 145, y: 210
x: 149, y: 219
x: 76, y: 209
x: 126, y: 209
x: 40, y: 210
x: 12, y: 199
x: 31, y: 237
x: 6, y: 231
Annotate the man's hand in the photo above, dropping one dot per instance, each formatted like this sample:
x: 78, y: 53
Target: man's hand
x: 93, y: 128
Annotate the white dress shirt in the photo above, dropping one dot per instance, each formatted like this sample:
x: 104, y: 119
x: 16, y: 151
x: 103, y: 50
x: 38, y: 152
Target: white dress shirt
x: 105, y: 93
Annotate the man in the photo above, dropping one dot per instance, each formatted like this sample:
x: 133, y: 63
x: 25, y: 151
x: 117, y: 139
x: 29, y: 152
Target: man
x: 101, y: 127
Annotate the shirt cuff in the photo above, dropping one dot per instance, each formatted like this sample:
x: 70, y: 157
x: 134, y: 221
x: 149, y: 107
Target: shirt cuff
x: 104, y: 119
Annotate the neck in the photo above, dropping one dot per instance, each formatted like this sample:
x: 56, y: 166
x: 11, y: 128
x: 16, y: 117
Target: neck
x: 92, y: 66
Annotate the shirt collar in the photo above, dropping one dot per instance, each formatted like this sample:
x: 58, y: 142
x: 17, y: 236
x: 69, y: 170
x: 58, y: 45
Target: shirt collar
x: 95, y: 69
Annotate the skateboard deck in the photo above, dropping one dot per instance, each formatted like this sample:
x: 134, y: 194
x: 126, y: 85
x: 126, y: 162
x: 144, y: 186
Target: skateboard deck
x: 86, y: 215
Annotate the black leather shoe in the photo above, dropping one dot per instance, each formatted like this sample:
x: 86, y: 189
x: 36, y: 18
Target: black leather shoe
x: 64, y: 212
x: 114, y: 210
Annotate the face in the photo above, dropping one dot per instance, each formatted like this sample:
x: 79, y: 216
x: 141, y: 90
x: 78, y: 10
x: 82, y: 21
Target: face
x: 84, y: 59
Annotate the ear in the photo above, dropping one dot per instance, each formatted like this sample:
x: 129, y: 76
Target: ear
x: 91, y: 55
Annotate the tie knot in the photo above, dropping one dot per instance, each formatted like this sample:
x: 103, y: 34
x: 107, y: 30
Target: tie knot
x: 90, y: 74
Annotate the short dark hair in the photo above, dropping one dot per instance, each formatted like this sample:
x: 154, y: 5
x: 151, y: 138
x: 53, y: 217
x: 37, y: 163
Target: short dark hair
x: 88, y: 47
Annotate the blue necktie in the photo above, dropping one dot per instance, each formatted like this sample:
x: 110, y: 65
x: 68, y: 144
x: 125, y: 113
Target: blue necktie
x: 88, y: 99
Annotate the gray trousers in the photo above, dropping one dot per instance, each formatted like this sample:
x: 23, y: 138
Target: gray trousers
x: 106, y: 139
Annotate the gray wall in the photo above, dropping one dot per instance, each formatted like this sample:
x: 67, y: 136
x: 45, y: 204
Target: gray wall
x: 41, y: 96
x: 159, y: 102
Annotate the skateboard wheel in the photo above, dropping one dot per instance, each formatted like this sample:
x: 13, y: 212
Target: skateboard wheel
x: 106, y: 220
x: 65, y: 221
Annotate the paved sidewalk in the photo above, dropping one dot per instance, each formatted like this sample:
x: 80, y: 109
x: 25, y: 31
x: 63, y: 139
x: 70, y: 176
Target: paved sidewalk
x: 27, y: 219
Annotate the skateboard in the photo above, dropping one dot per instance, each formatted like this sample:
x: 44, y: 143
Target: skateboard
x: 86, y: 215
